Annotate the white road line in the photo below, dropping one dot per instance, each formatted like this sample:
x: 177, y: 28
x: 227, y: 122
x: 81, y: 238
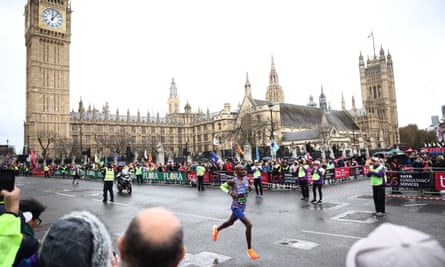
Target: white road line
x: 111, y: 203
x: 415, y: 205
x: 62, y: 194
x: 330, y: 234
x: 200, y: 217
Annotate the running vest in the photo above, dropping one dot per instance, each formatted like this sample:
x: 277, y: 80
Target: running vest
x: 241, y: 188
x: 138, y: 170
x: 376, y: 180
x: 109, y: 175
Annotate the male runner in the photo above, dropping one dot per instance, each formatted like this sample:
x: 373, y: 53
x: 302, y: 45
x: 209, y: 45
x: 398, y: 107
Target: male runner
x: 238, y: 188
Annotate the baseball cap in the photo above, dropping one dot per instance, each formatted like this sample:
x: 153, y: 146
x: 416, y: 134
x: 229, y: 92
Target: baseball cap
x: 396, y: 246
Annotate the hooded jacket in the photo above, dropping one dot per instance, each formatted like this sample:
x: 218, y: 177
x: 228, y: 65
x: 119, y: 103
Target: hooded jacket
x: 78, y: 239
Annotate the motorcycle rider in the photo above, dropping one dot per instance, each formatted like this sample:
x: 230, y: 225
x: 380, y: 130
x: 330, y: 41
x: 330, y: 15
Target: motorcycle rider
x: 108, y: 183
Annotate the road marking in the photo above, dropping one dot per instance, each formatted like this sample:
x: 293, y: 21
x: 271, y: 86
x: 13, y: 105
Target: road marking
x: 112, y: 203
x: 62, y: 194
x: 331, y: 234
x: 200, y: 217
x: 415, y: 205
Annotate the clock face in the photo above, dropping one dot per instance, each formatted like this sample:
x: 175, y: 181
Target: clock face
x: 52, y: 17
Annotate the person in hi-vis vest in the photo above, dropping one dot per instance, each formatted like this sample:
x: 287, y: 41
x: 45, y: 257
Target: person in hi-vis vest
x: 317, y: 181
x: 108, y: 183
x: 378, y: 177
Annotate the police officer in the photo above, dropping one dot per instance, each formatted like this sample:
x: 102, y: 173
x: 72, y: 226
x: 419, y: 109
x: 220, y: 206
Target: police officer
x: 46, y: 170
x: 108, y: 183
x: 200, y: 172
x: 138, y: 174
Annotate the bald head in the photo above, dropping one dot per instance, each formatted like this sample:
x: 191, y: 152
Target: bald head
x: 158, y: 224
x: 154, y: 236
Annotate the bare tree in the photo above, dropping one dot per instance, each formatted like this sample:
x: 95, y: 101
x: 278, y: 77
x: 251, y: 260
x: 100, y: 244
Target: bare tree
x: 119, y: 143
x: 250, y: 130
x: 46, y: 139
x: 64, y: 148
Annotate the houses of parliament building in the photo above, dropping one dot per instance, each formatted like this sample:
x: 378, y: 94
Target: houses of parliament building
x: 52, y: 131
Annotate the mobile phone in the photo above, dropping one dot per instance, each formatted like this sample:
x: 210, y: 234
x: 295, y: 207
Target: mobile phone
x: 7, y: 179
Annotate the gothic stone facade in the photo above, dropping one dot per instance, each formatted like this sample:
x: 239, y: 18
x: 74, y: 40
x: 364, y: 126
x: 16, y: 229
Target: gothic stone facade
x: 52, y: 131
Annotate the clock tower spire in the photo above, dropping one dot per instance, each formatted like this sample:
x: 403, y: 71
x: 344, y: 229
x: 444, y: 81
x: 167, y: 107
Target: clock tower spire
x: 47, y: 41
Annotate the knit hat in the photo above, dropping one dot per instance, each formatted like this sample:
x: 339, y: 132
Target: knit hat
x: 396, y: 246
x: 78, y: 239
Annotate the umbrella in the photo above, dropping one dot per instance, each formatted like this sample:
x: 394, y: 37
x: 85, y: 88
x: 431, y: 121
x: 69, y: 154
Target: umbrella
x: 267, y: 158
x: 409, y: 150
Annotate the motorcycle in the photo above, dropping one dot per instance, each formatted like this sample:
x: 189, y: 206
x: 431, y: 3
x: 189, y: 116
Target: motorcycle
x: 123, y: 182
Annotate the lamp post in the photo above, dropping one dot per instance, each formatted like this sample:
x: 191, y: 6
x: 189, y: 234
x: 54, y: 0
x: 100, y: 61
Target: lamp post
x: 272, y: 133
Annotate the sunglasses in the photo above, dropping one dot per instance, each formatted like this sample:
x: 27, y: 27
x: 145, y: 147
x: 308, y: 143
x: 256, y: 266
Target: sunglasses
x: 39, y: 221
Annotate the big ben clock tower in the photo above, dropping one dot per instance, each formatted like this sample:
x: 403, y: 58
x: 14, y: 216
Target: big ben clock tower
x: 47, y: 40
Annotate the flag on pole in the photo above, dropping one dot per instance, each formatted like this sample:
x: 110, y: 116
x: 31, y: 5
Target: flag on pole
x: 240, y: 150
x: 145, y: 154
x: 371, y: 35
x: 439, y: 134
x: 274, y: 146
x: 215, y: 141
x: 257, y: 153
x: 96, y: 158
x: 150, y: 158
x: 33, y: 158
x: 213, y: 158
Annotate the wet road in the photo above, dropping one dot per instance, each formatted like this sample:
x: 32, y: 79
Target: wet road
x: 287, y: 231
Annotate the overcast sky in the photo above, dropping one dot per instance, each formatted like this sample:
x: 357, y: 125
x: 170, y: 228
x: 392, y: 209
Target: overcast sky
x: 127, y: 52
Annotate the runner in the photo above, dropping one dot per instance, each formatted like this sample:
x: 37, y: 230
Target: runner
x: 238, y: 188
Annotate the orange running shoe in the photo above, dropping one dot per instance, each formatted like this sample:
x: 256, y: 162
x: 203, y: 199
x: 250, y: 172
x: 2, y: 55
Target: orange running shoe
x: 215, y: 233
x: 252, y: 254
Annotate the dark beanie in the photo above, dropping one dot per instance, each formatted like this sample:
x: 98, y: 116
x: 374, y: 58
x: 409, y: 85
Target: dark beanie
x: 78, y: 239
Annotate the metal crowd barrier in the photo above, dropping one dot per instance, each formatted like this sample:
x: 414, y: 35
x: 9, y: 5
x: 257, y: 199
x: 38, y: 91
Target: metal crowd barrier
x: 427, y: 181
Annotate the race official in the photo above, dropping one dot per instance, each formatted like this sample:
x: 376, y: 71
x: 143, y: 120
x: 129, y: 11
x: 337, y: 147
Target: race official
x: 377, y: 175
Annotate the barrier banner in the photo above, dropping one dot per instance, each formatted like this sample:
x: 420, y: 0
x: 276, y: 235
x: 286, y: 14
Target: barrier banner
x: 415, y: 179
x: 439, y: 180
x: 165, y: 176
x: 341, y: 173
x: 191, y: 176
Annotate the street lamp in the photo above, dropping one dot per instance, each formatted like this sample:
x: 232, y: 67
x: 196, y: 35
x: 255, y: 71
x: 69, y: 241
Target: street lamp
x: 272, y: 133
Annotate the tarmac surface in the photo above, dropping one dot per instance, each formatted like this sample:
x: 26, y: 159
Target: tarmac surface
x: 287, y: 231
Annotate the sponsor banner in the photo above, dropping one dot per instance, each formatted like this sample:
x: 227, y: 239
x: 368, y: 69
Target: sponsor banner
x: 165, y: 176
x: 341, y: 173
x: 439, y: 180
x: 414, y: 179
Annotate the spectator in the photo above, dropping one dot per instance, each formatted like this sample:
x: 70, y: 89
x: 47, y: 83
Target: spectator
x: 10, y: 224
x: 78, y: 239
x: 153, y: 238
x: 396, y: 246
x: 31, y: 210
